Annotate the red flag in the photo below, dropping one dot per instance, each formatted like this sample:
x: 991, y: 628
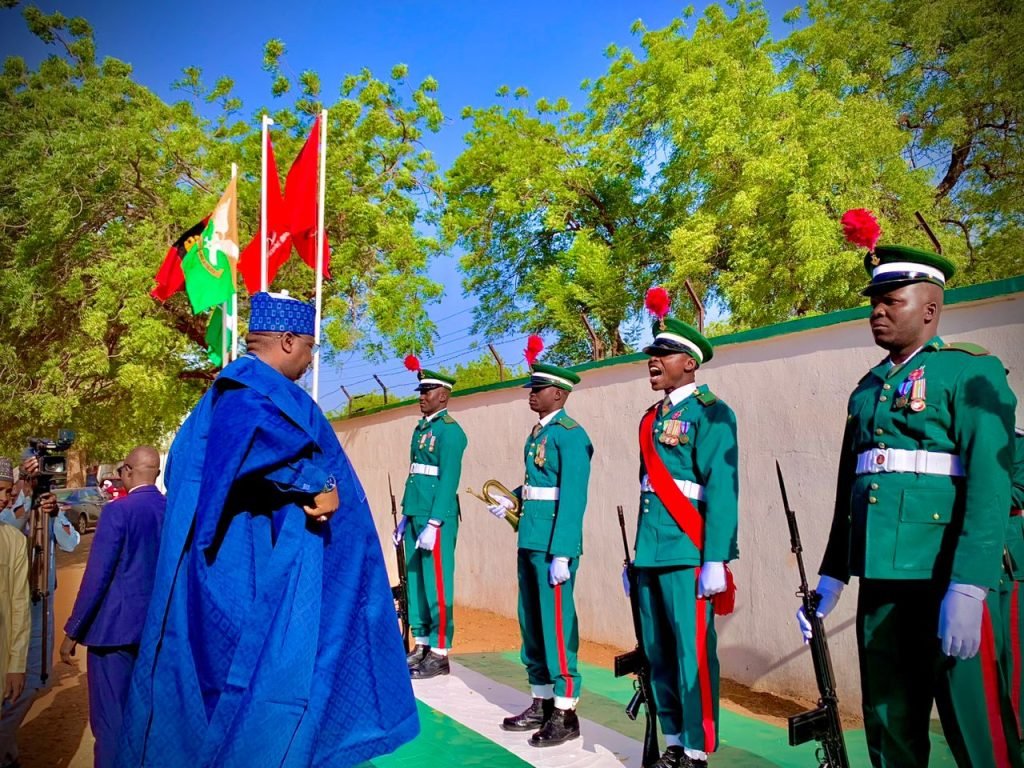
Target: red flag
x: 279, y: 239
x: 300, y: 194
x: 169, y: 278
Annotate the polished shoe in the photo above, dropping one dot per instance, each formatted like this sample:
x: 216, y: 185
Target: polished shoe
x: 415, y: 656
x: 563, y: 726
x: 673, y: 757
x: 531, y: 718
x: 433, y: 664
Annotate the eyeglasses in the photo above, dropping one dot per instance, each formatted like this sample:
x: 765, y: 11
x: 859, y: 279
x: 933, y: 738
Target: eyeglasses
x: 123, y: 467
x: 313, y: 346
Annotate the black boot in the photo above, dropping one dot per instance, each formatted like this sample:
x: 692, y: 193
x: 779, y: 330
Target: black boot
x: 676, y: 757
x: 563, y: 726
x: 415, y: 656
x: 531, y: 718
x: 433, y: 664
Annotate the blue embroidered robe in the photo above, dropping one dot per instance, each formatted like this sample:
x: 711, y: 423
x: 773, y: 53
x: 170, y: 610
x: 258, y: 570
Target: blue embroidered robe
x: 271, y: 639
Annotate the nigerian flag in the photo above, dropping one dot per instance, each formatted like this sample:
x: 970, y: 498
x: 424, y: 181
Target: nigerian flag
x: 216, y: 330
x: 209, y: 265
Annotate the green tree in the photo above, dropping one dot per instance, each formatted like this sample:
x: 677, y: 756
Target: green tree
x: 100, y: 175
x: 952, y: 73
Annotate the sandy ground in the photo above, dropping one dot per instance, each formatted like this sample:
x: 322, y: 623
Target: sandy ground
x: 56, y: 732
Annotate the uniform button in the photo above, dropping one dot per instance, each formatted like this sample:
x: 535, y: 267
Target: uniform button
x: 936, y: 516
x: 872, y: 500
x: 882, y: 446
x: 882, y: 399
x: 879, y: 431
x: 874, y: 486
x: 886, y: 386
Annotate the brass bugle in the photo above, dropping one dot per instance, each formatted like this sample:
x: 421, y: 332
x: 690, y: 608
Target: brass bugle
x: 489, y: 494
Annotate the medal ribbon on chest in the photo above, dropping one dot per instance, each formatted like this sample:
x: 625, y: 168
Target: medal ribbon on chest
x: 673, y: 432
x: 912, y: 390
x: 540, y: 455
x: 423, y: 439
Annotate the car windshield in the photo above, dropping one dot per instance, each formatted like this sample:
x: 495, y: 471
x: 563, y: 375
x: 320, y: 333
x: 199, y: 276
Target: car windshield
x: 80, y: 495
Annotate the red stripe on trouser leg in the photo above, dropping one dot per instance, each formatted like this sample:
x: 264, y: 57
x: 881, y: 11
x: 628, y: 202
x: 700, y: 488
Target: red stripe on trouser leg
x: 1015, y: 670
x: 442, y: 613
x: 563, y: 661
x: 990, y: 681
x: 703, y: 673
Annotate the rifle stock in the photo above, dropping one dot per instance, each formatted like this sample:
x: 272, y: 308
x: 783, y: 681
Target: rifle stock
x: 635, y: 663
x: 821, y: 724
x: 400, y: 592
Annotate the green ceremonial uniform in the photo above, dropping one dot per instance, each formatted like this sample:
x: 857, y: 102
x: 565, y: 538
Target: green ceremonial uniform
x: 921, y: 501
x: 1010, y: 588
x: 438, y: 443
x: 696, y: 440
x: 557, y: 456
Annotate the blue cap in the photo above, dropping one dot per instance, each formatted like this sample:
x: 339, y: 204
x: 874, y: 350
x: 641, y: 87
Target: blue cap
x: 279, y: 312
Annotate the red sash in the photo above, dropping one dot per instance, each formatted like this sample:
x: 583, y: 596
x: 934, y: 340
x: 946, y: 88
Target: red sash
x: 686, y: 516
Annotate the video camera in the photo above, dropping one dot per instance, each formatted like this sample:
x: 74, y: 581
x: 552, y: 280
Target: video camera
x: 53, y: 460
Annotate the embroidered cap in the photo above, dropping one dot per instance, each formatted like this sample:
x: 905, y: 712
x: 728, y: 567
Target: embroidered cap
x: 546, y: 375
x: 6, y: 470
x: 672, y: 337
x: 279, y: 312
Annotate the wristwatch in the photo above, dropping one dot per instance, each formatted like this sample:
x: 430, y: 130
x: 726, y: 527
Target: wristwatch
x: 330, y: 485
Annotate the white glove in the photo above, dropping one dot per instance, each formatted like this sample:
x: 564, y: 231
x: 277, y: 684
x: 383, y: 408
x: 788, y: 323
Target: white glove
x: 829, y: 589
x: 497, y: 510
x: 711, y: 580
x: 428, y: 536
x: 960, y: 620
x: 625, y: 579
x: 558, y: 571
x: 399, y: 532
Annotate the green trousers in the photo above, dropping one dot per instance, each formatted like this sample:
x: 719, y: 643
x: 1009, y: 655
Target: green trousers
x: 681, y: 644
x: 432, y: 583
x: 547, y: 621
x: 1009, y: 645
x: 903, y: 671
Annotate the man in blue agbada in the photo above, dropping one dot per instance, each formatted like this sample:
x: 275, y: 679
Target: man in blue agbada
x: 271, y: 638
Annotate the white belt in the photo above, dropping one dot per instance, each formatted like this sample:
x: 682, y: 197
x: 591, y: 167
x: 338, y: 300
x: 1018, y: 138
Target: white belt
x: 690, y: 489
x: 897, y: 460
x: 423, y: 469
x: 532, y: 493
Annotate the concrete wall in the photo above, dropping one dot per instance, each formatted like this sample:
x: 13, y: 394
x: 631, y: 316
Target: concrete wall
x: 789, y: 392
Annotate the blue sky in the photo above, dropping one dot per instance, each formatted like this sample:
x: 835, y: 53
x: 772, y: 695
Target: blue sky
x: 470, y: 48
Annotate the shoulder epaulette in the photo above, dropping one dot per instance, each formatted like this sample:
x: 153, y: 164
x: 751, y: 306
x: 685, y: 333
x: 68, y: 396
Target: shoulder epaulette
x: 705, y: 396
x: 566, y: 422
x: 447, y: 418
x: 965, y: 346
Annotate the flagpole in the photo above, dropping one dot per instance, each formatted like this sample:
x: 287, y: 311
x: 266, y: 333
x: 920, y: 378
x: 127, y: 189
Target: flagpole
x: 267, y: 122
x: 320, y: 252
x: 225, y: 324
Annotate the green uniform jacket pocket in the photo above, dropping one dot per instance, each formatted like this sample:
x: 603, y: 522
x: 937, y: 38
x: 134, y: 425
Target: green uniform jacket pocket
x: 925, y: 514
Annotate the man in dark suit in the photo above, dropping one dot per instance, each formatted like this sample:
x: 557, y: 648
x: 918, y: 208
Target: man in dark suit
x: 114, y: 597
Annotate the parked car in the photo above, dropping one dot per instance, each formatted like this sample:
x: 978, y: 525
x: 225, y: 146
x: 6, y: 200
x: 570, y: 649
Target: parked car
x: 82, y: 506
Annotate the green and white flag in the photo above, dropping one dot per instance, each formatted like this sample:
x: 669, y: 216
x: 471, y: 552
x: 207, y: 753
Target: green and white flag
x: 209, y: 265
x: 216, y: 330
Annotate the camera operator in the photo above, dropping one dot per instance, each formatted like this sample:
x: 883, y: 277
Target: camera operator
x: 43, y: 518
x: 14, y: 599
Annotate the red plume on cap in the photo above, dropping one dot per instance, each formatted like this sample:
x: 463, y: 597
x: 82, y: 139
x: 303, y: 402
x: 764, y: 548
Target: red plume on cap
x: 412, y: 363
x: 657, y: 301
x: 534, y: 346
x: 860, y: 227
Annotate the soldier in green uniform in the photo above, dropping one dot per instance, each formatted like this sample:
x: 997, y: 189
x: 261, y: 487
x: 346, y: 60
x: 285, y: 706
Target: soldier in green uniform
x: 430, y: 524
x: 921, y: 504
x: 686, y: 533
x: 553, y: 497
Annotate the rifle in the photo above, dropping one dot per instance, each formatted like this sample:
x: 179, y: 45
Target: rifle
x: 636, y: 663
x: 821, y: 724
x: 400, y: 592
x: 39, y: 575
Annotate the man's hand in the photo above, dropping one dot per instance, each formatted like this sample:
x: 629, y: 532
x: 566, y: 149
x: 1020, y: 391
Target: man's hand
x: 711, y: 580
x: 324, y: 505
x: 428, y: 536
x: 67, y: 649
x: 558, y: 571
x: 29, y: 467
x: 48, y: 504
x: 501, y: 506
x: 399, y: 532
x: 829, y: 589
x: 13, y: 686
x: 960, y: 620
